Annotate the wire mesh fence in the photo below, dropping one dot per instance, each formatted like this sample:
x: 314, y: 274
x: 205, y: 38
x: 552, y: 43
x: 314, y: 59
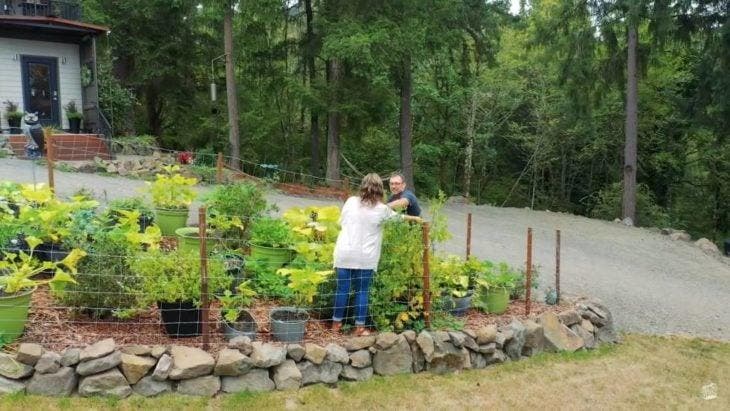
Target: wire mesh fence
x: 75, y: 271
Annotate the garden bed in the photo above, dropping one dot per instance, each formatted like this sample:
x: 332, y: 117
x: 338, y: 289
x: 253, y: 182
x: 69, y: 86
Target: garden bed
x: 57, y: 327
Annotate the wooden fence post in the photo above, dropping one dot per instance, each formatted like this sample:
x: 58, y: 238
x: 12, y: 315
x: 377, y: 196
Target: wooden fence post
x: 468, y: 236
x: 204, y: 303
x: 426, y: 276
x: 49, y: 159
x: 219, y: 169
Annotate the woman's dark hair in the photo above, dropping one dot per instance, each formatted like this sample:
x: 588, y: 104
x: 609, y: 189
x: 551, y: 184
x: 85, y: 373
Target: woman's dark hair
x: 371, y: 189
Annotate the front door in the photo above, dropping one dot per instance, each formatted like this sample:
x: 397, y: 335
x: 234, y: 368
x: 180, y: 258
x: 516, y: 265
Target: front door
x: 40, y: 88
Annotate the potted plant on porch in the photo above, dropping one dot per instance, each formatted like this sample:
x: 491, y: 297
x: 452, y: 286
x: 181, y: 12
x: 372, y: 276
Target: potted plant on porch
x: 18, y: 282
x: 13, y: 115
x: 236, y: 320
x: 74, y: 117
x: 171, y: 280
x: 172, y: 194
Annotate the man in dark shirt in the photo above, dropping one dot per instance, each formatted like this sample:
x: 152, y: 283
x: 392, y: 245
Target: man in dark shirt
x: 401, y: 198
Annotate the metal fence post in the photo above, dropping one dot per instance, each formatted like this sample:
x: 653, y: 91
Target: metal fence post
x: 426, y: 276
x: 468, y: 236
x: 557, y: 266
x: 204, y: 303
x: 219, y: 169
x: 528, y: 274
x: 49, y: 159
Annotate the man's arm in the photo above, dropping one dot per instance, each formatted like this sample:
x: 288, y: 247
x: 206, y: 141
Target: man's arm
x: 399, y: 204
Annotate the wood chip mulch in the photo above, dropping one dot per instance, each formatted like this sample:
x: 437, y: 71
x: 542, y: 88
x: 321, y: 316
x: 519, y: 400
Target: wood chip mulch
x: 57, y: 327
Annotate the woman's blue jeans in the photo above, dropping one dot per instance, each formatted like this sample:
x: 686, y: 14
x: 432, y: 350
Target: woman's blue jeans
x: 360, y: 281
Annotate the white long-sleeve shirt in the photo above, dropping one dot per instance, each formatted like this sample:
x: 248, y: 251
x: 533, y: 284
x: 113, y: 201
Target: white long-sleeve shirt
x: 359, y: 242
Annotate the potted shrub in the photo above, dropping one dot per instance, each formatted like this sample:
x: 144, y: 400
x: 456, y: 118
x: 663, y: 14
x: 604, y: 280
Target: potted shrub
x: 288, y: 324
x: 18, y: 272
x: 272, y: 240
x: 74, y: 117
x: 453, y: 281
x: 494, y: 286
x: 114, y: 208
x: 172, y: 194
x: 236, y: 321
x: 14, y: 116
x: 231, y: 207
x: 188, y: 238
x: 171, y: 280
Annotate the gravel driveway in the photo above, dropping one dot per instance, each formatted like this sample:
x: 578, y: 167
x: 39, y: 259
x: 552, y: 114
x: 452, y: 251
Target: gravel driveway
x: 652, y: 284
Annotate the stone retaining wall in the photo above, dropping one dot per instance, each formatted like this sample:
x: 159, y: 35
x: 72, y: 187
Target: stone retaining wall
x: 107, y: 370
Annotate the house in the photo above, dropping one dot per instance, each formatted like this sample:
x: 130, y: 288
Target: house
x: 48, y: 59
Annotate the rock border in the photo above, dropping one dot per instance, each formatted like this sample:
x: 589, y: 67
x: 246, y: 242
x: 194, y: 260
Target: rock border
x: 105, y: 369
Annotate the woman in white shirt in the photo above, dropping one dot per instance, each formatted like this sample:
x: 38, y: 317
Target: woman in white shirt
x: 357, y: 250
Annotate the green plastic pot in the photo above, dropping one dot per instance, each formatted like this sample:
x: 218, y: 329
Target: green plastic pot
x: 275, y: 257
x: 189, y: 239
x: 14, y: 315
x: 170, y: 220
x: 497, y: 300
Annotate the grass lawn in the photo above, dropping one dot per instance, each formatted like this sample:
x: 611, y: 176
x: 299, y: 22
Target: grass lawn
x: 644, y: 372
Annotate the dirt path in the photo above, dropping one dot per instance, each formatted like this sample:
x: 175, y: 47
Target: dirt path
x: 652, y: 284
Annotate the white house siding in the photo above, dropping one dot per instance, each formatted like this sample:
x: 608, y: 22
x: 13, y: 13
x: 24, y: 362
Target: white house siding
x: 69, y: 74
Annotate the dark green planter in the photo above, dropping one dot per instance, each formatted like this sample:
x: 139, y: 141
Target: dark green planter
x: 189, y: 239
x: 276, y: 257
x: 170, y: 220
x: 497, y: 300
x: 14, y: 315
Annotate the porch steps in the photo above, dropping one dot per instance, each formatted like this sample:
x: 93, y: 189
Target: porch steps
x: 68, y: 147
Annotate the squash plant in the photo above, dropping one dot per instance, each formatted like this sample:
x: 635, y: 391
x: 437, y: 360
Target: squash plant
x: 171, y: 190
x: 304, y: 283
x: 232, y: 304
x: 451, y: 275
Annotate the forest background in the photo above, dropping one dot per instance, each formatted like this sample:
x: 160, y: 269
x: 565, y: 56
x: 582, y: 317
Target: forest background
x: 533, y: 109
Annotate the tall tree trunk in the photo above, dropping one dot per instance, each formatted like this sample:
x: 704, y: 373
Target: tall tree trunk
x: 333, y: 126
x: 632, y: 85
x: 406, y: 143
x: 469, y: 144
x: 231, y: 95
x: 314, y: 117
x: 154, y: 107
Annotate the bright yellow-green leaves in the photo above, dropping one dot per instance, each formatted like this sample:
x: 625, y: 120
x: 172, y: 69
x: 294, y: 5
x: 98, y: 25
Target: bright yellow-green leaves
x: 171, y: 190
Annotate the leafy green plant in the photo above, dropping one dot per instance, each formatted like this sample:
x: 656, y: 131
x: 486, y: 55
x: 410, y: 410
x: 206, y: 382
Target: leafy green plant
x: 72, y: 112
x: 128, y: 204
x: 171, y: 190
x: 439, y: 225
x: 232, y: 304
x: 174, y: 276
x: 19, y: 269
x: 495, y: 276
x: 304, y: 283
x: 451, y: 275
x: 11, y: 110
x: 232, y: 206
x: 266, y: 282
x: 271, y: 232
x: 518, y: 291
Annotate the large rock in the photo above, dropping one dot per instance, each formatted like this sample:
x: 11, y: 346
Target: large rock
x: 135, y: 367
x: 314, y: 353
x: 255, y: 380
x: 8, y: 386
x: 601, y: 317
x: 206, y: 386
x: 158, y: 351
x: 287, y: 376
x: 70, y: 357
x: 426, y: 343
x: 447, y: 358
x: 395, y: 360
x: 486, y: 334
x: 569, y: 317
x: 680, y: 235
x: 503, y: 336
x: 356, y: 374
x: 497, y: 357
x: 513, y: 348
x: 108, y: 384
x: 97, y: 350
x: 29, y: 353
x: 534, y: 339
x: 99, y: 364
x: 59, y: 384
x: 267, y: 355
x: 558, y: 337
x: 137, y: 349
x: 232, y: 363
x: 386, y: 340
x: 49, y: 363
x: 148, y: 387
x: 189, y: 362
x: 457, y: 338
x: 163, y: 368
x: 589, y: 341
x: 361, y: 359
x: 419, y: 360
x: 335, y: 353
x: 295, y: 352
x: 328, y: 372
x: 707, y: 246
x: 241, y: 343
x: 477, y: 360
x: 359, y: 343
x: 12, y: 368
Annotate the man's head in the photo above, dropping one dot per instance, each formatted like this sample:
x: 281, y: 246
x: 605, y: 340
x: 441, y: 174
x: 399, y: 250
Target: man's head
x: 397, y: 183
